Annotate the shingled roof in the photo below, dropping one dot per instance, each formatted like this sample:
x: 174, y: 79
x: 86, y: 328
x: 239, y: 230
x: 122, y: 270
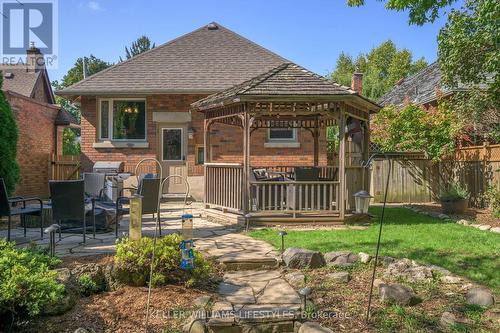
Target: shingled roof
x: 285, y: 80
x: 17, y: 79
x: 207, y: 60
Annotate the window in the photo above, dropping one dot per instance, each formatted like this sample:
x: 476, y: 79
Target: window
x: 122, y: 119
x: 282, y: 134
x: 172, y: 148
x: 200, y: 155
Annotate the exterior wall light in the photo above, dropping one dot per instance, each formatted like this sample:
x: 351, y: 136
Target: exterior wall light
x: 362, y: 202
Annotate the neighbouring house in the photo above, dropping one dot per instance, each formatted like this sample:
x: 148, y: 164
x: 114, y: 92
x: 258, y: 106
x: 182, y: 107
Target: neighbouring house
x: 39, y: 120
x: 141, y: 108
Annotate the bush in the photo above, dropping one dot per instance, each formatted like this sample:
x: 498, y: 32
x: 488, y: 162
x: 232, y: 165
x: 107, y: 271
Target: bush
x: 133, y: 260
x: 26, y: 281
x: 87, y: 285
x: 9, y: 169
x: 493, y: 195
x: 454, y: 192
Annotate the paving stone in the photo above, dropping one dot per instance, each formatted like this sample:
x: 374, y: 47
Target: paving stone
x: 266, y: 313
x: 296, y: 279
x: 237, y: 294
x: 278, y: 291
x: 313, y: 327
x: 253, y: 275
x: 222, y: 314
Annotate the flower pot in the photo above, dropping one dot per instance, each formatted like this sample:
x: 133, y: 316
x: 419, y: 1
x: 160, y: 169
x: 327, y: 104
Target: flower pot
x: 454, y: 207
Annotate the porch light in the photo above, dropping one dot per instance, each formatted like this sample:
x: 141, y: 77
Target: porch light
x: 190, y: 133
x: 362, y: 202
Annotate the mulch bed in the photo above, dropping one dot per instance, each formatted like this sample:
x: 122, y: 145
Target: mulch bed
x: 123, y: 310
x: 479, y: 216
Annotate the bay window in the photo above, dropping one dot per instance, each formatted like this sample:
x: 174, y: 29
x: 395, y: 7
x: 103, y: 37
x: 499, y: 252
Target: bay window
x: 122, y: 119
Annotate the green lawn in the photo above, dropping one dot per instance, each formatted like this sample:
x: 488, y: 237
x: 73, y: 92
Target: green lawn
x: 464, y: 251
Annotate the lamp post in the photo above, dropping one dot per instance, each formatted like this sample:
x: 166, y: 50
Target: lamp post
x: 282, y: 233
x: 135, y: 224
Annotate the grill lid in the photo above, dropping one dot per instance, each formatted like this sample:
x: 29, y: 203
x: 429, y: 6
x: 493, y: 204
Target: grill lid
x: 108, y: 166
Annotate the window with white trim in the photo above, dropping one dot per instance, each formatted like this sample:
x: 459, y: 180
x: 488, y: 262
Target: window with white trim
x: 122, y: 119
x: 282, y: 134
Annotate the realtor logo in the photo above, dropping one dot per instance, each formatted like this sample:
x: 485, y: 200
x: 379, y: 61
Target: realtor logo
x: 27, y: 23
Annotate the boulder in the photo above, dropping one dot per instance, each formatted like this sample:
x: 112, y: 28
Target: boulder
x: 443, y: 216
x: 479, y: 296
x: 296, y: 279
x: 301, y: 258
x: 110, y: 278
x: 398, y: 294
x: 464, y: 222
x: 202, y: 301
x: 484, y: 227
x: 312, y: 327
x: 342, y: 277
x: 439, y: 270
x: 496, y: 230
x: 93, y: 270
x: 386, y: 261
x: 450, y: 279
x: 449, y: 319
x: 340, y: 258
x: 409, y: 270
x: 71, y: 294
x: 377, y: 283
x: 364, y: 257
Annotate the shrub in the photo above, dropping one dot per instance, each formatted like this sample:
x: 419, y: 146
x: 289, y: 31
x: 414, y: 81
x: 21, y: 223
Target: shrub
x: 133, y: 260
x: 454, y: 192
x: 493, y: 196
x: 9, y: 169
x: 26, y: 281
x: 87, y: 285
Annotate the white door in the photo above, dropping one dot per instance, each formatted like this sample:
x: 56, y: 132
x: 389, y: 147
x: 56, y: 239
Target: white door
x: 173, y: 151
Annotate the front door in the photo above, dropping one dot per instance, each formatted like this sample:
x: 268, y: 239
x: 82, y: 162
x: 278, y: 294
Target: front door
x: 173, y: 151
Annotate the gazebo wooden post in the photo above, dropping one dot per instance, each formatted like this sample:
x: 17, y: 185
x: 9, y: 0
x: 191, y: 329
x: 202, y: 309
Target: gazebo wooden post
x: 246, y: 161
x: 366, y: 155
x: 206, y: 156
x: 342, y: 181
x: 316, y: 142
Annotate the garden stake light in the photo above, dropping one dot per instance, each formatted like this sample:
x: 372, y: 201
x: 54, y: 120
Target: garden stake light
x: 282, y: 233
x: 304, y: 292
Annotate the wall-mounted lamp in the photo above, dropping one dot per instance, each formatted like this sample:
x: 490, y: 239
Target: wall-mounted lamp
x: 191, y: 132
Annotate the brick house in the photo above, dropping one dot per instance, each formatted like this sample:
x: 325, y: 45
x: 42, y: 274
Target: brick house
x: 141, y: 108
x: 40, y: 122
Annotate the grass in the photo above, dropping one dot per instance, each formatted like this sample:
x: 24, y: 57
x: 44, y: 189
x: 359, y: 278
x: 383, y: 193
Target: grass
x: 464, y: 251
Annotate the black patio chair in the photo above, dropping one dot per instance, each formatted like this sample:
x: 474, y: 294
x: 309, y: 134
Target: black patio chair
x: 8, y: 207
x: 149, y: 189
x: 68, y: 203
x: 94, y: 184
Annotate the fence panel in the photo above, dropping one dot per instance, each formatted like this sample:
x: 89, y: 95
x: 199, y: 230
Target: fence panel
x: 64, y: 167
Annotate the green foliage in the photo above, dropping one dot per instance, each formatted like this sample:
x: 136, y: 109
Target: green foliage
x: 9, y: 169
x: 133, y: 260
x: 493, y: 196
x: 419, y: 11
x: 454, y: 192
x: 26, y: 282
x: 140, y: 45
x: 413, y: 128
x: 75, y: 74
x: 382, y: 67
x: 70, y: 144
x: 87, y: 285
x: 468, y: 45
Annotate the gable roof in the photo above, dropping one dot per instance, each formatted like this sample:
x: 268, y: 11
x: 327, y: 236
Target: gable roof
x: 288, y: 80
x: 17, y: 79
x: 209, y: 59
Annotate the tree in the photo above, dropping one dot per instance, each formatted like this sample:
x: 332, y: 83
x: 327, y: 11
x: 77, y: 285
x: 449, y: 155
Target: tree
x: 420, y: 11
x: 468, y: 45
x: 382, y: 67
x: 9, y: 169
x: 140, y: 45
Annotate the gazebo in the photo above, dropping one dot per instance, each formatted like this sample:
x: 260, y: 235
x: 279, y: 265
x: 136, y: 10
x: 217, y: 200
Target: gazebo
x: 290, y: 97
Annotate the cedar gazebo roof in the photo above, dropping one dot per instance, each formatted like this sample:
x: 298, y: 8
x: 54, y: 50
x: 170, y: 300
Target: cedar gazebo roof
x: 287, y: 82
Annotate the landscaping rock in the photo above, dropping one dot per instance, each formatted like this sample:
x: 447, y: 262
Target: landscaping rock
x: 479, y: 296
x: 312, y: 327
x: 296, y: 279
x: 439, y: 270
x: 340, y: 258
x: 202, y: 301
x: 398, y: 294
x: 195, y: 326
x: 342, y: 277
x: 377, y: 283
x: 447, y: 319
x: 409, y: 270
x: 302, y: 258
x: 110, y: 278
x: 93, y: 270
x: 71, y: 294
x: 443, y: 216
x: 450, y: 279
x: 464, y: 222
x: 496, y: 229
x: 484, y: 227
x: 81, y: 330
x: 364, y: 257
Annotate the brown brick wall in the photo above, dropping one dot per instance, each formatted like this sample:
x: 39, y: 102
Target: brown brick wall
x: 36, y: 142
x: 226, y: 140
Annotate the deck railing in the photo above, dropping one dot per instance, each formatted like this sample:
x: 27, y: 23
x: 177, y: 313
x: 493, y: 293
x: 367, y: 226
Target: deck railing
x: 294, y: 196
x: 329, y: 172
x: 224, y: 185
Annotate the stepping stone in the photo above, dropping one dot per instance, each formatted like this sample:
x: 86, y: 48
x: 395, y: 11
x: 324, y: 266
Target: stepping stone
x: 279, y: 292
x: 237, y: 294
x: 266, y: 313
x: 222, y: 314
x: 247, y: 261
x: 252, y: 275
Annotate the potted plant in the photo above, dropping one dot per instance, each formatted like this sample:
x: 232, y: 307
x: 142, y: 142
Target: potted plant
x: 454, y: 199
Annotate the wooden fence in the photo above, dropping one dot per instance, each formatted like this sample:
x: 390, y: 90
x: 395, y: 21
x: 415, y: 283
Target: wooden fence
x: 64, y: 167
x: 416, y: 179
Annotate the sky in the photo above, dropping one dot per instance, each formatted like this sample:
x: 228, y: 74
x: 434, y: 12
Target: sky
x: 311, y: 33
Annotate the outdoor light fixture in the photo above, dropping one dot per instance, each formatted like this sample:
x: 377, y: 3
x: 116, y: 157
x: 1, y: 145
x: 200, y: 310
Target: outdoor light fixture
x: 282, y: 233
x: 362, y: 202
x: 190, y: 133
x: 135, y: 224
x: 304, y: 292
